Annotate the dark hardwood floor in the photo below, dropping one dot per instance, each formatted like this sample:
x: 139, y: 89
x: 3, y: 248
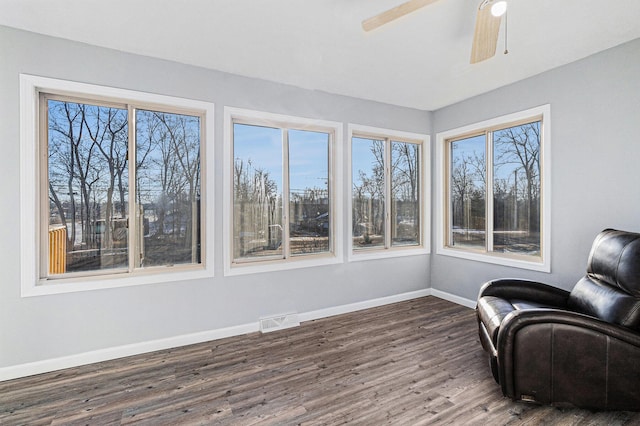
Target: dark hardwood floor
x: 409, y: 363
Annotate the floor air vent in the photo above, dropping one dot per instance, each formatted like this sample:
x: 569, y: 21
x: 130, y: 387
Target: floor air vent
x: 279, y: 322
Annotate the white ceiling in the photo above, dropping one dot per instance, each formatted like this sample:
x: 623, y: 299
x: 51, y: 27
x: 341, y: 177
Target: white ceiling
x: 420, y: 61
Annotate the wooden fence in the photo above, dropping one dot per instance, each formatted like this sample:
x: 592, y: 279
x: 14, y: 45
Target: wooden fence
x: 57, y: 250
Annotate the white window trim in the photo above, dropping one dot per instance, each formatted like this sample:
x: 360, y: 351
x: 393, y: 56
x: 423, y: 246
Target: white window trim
x: 425, y: 188
x: 335, y: 188
x: 545, y: 162
x: 31, y: 284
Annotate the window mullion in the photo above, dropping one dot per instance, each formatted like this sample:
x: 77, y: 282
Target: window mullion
x: 285, y: 194
x: 446, y: 209
x: 387, y: 193
x: 333, y: 214
x: 44, y: 185
x: 419, y: 196
x: 489, y: 192
x: 134, y: 244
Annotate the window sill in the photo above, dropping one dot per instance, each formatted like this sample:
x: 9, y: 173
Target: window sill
x: 497, y: 259
x: 373, y: 254
x: 157, y: 275
x: 256, y: 267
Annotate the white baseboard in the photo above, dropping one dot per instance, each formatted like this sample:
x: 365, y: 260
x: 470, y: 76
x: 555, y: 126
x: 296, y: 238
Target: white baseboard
x: 358, y: 306
x: 453, y: 298
x: 48, y: 365
x: 76, y: 360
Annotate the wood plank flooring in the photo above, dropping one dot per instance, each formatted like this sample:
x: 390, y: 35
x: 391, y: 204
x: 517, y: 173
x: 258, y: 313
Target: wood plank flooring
x: 411, y: 363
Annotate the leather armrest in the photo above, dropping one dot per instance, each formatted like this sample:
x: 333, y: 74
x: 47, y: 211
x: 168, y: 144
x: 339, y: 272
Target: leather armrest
x: 538, y: 345
x: 514, y: 288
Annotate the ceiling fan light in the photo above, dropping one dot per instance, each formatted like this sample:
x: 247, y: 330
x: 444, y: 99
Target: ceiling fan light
x: 498, y: 8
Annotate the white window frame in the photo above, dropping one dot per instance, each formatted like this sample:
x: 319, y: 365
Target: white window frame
x: 442, y: 170
x: 252, y: 117
x: 358, y: 130
x: 30, y: 182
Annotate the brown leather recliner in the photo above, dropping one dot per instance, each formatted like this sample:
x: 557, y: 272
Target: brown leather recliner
x: 578, y: 348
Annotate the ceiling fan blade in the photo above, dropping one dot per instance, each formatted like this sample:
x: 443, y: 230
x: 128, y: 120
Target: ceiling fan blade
x: 485, y: 37
x: 395, y: 13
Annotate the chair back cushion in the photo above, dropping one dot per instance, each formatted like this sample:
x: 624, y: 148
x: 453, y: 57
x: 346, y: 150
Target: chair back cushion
x: 611, y: 289
x: 615, y: 259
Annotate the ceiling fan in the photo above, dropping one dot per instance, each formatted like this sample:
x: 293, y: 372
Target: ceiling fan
x: 485, y: 36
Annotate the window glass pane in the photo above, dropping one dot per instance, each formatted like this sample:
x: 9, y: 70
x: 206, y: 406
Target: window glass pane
x: 467, y: 196
x: 257, y: 191
x: 88, y: 187
x: 368, y: 193
x: 516, y: 190
x: 309, y: 228
x: 405, y: 190
x: 168, y: 188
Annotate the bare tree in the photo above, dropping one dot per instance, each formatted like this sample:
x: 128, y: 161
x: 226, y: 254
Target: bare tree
x: 405, y: 186
x: 465, y: 177
x: 468, y: 183
x: 369, y: 192
x: 184, y: 144
x: 168, y: 185
x: 256, y: 205
x: 72, y: 155
x: 518, y: 148
x: 107, y: 128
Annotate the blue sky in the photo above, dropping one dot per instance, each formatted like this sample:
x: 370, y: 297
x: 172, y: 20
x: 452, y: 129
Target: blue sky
x: 475, y: 146
x: 308, y: 154
x: 362, y: 159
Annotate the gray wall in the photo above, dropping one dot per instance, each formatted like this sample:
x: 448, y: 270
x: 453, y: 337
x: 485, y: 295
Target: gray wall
x: 47, y: 327
x: 595, y: 151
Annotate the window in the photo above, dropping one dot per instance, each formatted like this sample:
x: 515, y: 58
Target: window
x: 283, y: 200
x: 119, y: 185
x: 494, y: 190
x: 388, y: 208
